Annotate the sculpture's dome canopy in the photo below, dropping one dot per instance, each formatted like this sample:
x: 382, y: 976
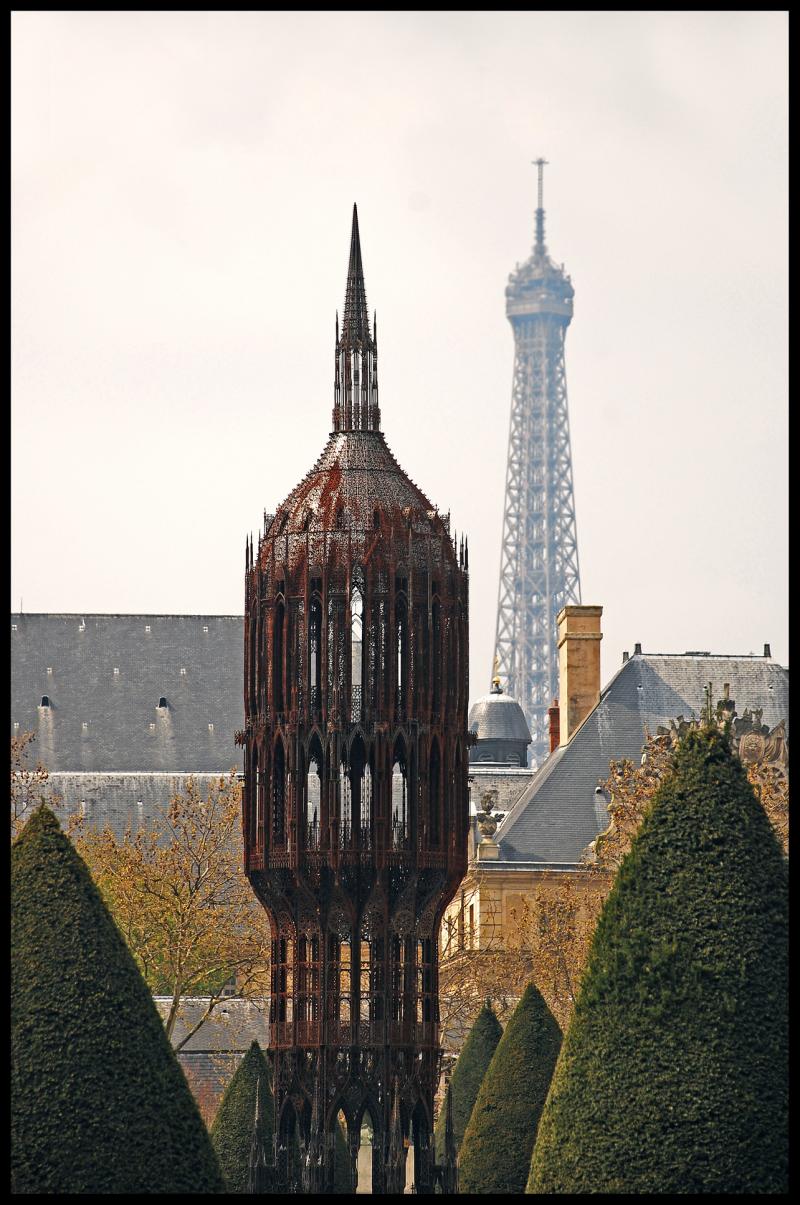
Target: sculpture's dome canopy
x: 356, y: 503
x: 356, y: 484
x: 498, y: 717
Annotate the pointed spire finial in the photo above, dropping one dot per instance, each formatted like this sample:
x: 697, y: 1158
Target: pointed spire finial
x: 355, y: 321
x: 355, y: 386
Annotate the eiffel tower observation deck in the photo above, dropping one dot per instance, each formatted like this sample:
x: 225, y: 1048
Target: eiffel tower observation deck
x: 539, y: 556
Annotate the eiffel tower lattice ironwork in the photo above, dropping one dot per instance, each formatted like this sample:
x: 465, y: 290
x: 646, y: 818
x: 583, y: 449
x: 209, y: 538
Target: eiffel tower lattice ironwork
x: 539, y: 557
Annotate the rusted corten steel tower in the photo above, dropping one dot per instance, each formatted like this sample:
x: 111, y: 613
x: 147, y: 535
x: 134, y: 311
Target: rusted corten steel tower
x: 539, y: 554
x: 355, y: 800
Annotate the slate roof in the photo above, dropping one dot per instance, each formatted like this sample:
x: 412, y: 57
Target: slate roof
x: 561, y: 812
x: 119, y: 800
x: 102, y: 720
x: 233, y: 1025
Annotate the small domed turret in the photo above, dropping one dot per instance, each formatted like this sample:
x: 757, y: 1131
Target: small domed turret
x: 499, y: 723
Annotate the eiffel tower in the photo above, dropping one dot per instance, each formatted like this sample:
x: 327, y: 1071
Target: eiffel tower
x: 539, y: 557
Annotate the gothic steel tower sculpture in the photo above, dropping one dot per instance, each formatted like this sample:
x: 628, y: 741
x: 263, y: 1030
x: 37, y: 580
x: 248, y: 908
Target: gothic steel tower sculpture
x: 539, y: 556
x: 355, y: 805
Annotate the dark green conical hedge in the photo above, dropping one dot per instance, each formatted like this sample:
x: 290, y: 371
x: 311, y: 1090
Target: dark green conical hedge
x: 496, y: 1149
x: 99, y: 1103
x: 232, y: 1128
x: 673, y: 1074
x: 341, y: 1174
x: 468, y: 1073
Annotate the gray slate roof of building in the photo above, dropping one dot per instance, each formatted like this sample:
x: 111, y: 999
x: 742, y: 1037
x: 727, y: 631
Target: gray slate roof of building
x: 100, y: 720
x: 118, y: 800
x: 233, y: 1024
x: 560, y: 813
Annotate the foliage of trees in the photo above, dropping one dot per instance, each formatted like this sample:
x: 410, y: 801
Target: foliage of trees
x: 179, y: 895
x: 673, y: 1073
x: 468, y: 1073
x: 232, y: 1128
x: 496, y: 1149
x: 29, y: 785
x: 98, y: 1101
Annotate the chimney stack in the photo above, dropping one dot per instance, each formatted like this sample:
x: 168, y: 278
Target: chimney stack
x: 579, y: 639
x: 554, y: 716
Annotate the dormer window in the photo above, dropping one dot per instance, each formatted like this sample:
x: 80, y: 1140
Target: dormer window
x: 162, y: 703
x: 45, y: 701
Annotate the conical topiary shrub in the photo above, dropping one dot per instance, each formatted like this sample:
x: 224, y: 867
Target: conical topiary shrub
x: 468, y: 1073
x: 496, y: 1149
x: 673, y: 1075
x: 341, y: 1174
x: 99, y: 1103
x: 232, y: 1128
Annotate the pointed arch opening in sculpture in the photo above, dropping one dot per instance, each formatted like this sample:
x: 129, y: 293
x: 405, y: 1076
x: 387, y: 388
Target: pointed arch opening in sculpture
x: 313, y: 794
x: 278, y: 796
x: 434, y: 795
x: 315, y: 656
x: 356, y: 647
x: 277, y: 654
x: 400, y: 828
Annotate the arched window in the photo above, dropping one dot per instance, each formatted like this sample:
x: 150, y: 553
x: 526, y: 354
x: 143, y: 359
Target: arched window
x: 315, y: 655
x: 256, y: 800
x: 401, y: 647
x: 436, y: 696
x: 434, y: 794
x: 360, y: 793
x: 313, y: 795
x: 260, y: 662
x: 308, y: 986
x: 277, y: 655
x: 345, y: 807
x: 278, y: 796
x: 357, y: 653
x: 400, y: 821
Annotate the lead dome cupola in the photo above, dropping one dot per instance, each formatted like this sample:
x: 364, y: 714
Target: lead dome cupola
x: 502, y: 732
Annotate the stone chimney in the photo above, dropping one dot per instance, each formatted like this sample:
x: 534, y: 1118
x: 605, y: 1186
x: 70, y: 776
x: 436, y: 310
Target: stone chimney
x: 579, y: 639
x: 553, y: 715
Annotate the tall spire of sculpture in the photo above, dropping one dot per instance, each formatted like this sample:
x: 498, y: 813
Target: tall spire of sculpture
x: 355, y: 404
x: 355, y: 321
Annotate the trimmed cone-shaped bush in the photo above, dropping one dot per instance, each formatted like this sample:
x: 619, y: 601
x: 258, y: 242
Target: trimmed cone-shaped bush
x: 232, y: 1128
x: 673, y: 1074
x: 99, y: 1103
x: 341, y: 1174
x: 496, y: 1149
x: 475, y: 1057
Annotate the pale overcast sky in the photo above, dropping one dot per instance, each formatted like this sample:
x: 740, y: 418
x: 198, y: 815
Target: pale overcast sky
x: 181, y: 197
